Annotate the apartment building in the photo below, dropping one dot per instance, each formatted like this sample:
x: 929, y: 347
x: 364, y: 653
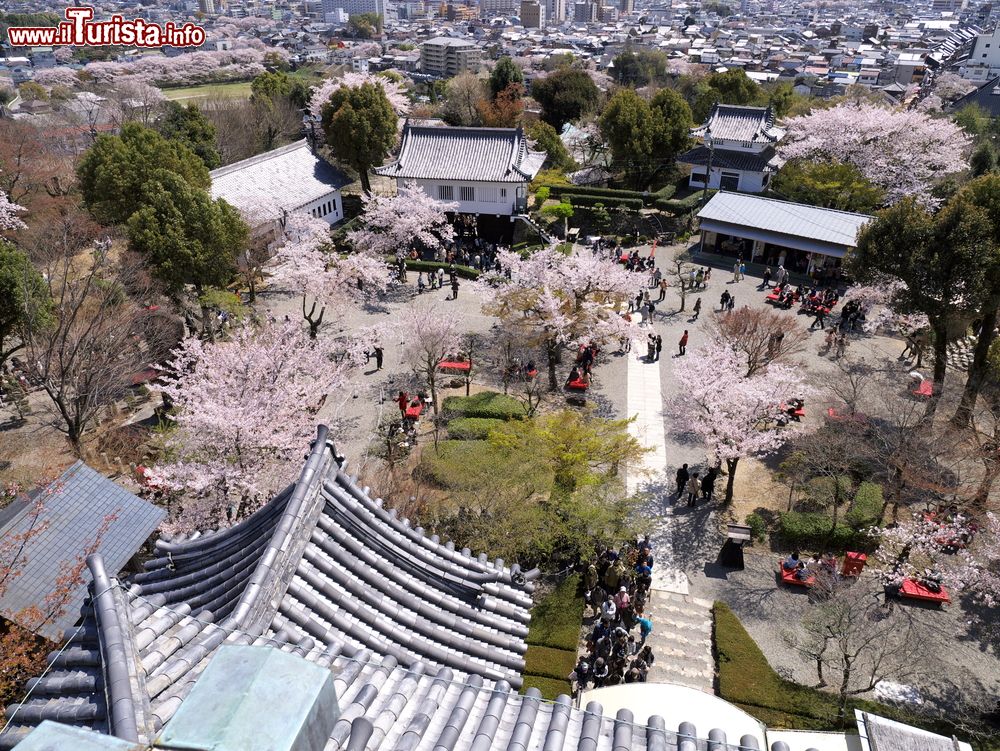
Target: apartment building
x: 448, y: 56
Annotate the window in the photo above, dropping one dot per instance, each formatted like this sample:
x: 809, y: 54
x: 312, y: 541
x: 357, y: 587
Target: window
x: 446, y: 193
x: 467, y: 193
x: 488, y: 194
x: 698, y: 177
x: 730, y: 181
x: 503, y: 192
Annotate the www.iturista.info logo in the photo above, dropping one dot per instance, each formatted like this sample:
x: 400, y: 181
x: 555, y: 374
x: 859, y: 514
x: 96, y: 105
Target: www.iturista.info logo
x: 79, y: 29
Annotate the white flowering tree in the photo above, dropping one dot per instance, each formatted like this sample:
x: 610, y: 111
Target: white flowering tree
x: 394, y: 91
x: 391, y: 225
x: 428, y: 335
x: 306, y: 263
x: 902, y: 151
x: 559, y: 300
x: 9, y: 211
x: 244, y: 411
x: 736, y: 416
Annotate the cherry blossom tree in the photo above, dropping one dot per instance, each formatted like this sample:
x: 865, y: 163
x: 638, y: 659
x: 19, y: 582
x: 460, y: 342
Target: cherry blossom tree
x: 876, y: 302
x: 560, y: 300
x: 734, y: 415
x: 304, y: 262
x: 391, y: 225
x: 8, y: 214
x: 902, y: 151
x: 428, y: 335
x: 394, y: 91
x: 244, y: 411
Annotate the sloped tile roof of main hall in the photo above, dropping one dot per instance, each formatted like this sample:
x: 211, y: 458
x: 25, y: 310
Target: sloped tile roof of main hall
x: 437, y: 152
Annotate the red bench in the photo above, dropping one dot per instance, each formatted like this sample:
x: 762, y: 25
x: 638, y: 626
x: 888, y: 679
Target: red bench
x: 577, y: 385
x: 914, y: 590
x: 414, y: 411
x: 854, y: 563
x: 925, y: 389
x: 772, y: 298
x: 788, y: 576
x: 458, y: 365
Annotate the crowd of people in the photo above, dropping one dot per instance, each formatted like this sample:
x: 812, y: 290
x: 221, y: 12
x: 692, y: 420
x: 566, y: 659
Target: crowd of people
x: 617, y: 587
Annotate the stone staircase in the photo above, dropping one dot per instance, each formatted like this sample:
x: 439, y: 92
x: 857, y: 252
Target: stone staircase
x: 681, y: 640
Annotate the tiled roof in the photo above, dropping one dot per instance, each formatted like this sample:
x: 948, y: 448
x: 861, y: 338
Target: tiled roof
x: 729, y: 122
x: 286, y: 179
x: 986, y: 96
x: 73, y: 510
x: 432, y: 152
x: 783, y: 217
x: 764, y: 161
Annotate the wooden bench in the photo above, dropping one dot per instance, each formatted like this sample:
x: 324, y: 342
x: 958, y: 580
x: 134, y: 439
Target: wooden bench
x: 459, y: 366
x: 911, y: 589
x: 788, y: 576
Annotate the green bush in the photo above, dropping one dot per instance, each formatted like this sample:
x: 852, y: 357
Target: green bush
x: 551, y: 688
x: 824, y: 491
x: 466, y: 272
x: 866, y: 509
x: 488, y: 404
x: 556, y: 618
x: 667, y: 191
x: 678, y: 206
x: 587, y: 190
x: 807, y: 530
x: 758, y: 528
x: 588, y: 200
x: 548, y: 662
x: 449, y: 465
x: 472, y: 428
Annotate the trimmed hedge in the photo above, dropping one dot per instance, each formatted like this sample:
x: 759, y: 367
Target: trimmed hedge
x: 679, y: 206
x: 551, y: 688
x: 809, y: 530
x: 466, y: 272
x: 589, y: 200
x: 488, y: 404
x: 549, y: 662
x: 586, y: 190
x: 472, y: 428
x: 667, y: 191
x: 556, y: 619
x: 866, y: 509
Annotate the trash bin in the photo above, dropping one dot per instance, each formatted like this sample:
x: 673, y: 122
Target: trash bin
x: 731, y: 555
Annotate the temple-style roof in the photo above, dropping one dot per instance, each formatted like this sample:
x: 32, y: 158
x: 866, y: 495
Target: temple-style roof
x: 745, y: 161
x: 439, y: 152
x: 729, y: 122
x: 80, y: 508
x: 285, y: 179
x: 424, y: 643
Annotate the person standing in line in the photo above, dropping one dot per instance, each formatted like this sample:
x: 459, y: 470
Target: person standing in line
x: 693, y: 489
x: 682, y: 344
x: 659, y: 345
x: 697, y: 308
x: 682, y: 478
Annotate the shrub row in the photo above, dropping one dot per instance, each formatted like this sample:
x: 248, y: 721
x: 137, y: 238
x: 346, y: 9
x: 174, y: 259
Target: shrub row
x: 677, y: 206
x: 487, y: 404
x: 586, y: 190
x: 472, y: 428
x: 586, y: 200
x: 466, y: 272
x: 809, y: 530
x: 556, y: 618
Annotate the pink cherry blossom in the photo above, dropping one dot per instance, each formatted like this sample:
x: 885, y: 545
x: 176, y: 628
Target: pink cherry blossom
x: 876, y: 301
x: 391, y: 225
x: 394, y: 92
x: 8, y: 214
x: 903, y: 151
x: 244, y: 412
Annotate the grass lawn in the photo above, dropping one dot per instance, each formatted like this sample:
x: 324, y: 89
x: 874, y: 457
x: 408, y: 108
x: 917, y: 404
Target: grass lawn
x: 552, y: 639
x: 747, y: 680
x: 235, y: 89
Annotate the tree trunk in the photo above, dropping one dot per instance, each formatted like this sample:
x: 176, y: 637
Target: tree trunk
x: 552, y: 358
x: 940, y: 367
x: 366, y: 184
x: 314, y: 323
x: 978, y: 369
x: 731, y: 480
x: 844, y: 683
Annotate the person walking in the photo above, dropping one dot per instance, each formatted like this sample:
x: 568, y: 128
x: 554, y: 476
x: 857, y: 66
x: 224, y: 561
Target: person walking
x: 736, y: 271
x: 697, y: 308
x: 645, y: 629
x: 693, y: 488
x: 820, y: 319
x: 421, y: 284
x: 650, y: 347
x: 682, y: 478
x: 724, y: 300
x: 731, y: 304
x: 659, y: 346
x: 708, y: 484
x: 682, y: 344
x: 767, y: 277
